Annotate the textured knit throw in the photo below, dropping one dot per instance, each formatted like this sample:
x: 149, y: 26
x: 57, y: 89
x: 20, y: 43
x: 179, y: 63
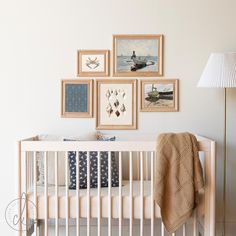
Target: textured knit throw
x: 178, y: 178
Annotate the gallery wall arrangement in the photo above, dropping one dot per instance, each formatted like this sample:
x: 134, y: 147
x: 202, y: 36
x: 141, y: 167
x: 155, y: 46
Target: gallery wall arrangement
x: 115, y: 100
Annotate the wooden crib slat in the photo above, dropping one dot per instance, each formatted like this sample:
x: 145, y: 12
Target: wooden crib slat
x: 99, y: 193
x: 152, y: 193
x: 56, y: 194
x: 120, y: 193
x: 26, y: 189
x: 28, y: 169
x: 77, y: 195
x: 46, y: 193
x: 88, y: 193
x: 131, y: 193
x: 19, y: 184
x: 35, y: 194
x: 67, y: 193
x: 194, y: 223
x: 138, y: 166
x: 146, y: 166
x: 109, y: 193
x: 162, y: 229
x: 184, y: 229
x: 31, y: 170
x: 141, y: 193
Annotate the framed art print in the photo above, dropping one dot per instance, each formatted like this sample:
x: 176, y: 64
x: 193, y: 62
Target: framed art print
x: 93, y: 63
x: 77, y: 98
x: 159, y: 95
x: 137, y: 55
x: 116, y: 104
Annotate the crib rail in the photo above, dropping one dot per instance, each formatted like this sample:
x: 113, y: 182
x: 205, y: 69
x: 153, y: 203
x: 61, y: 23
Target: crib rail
x: 140, y: 158
x: 57, y: 146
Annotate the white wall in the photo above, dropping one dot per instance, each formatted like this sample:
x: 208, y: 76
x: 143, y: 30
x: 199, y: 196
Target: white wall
x: 38, y: 44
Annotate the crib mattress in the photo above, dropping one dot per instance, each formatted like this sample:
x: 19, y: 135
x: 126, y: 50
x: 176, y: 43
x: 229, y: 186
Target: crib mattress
x: 94, y: 202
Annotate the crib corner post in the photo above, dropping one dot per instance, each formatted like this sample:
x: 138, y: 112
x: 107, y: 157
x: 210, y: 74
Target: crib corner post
x: 210, y: 188
x: 19, y: 185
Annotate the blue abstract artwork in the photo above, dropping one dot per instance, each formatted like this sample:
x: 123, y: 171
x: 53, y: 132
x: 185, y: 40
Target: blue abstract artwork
x: 76, y: 98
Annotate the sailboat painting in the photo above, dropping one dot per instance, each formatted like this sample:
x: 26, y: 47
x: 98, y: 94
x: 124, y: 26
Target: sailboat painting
x: 159, y: 95
x: 137, y: 55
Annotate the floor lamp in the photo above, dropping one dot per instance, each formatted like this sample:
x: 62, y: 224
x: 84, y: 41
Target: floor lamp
x: 220, y: 72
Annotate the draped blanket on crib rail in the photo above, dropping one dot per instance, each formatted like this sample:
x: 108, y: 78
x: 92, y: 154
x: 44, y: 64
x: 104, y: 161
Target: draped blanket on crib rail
x: 178, y: 178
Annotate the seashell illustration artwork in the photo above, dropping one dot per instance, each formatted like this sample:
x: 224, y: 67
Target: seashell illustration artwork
x: 123, y: 94
x: 117, y: 113
x: 109, y: 109
x: 123, y: 109
x: 116, y: 103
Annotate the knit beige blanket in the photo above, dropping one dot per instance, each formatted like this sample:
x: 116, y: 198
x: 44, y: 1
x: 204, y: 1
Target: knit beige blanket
x: 178, y: 178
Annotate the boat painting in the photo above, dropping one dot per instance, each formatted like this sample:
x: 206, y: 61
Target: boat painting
x: 159, y: 95
x: 137, y: 55
x: 140, y: 63
x: 125, y: 64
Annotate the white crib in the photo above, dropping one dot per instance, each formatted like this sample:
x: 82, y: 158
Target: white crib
x: 132, y: 201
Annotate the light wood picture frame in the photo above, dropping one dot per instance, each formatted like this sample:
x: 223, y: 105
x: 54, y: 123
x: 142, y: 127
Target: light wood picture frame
x: 77, y: 98
x: 159, y: 95
x: 116, y: 104
x: 138, y: 55
x: 93, y: 63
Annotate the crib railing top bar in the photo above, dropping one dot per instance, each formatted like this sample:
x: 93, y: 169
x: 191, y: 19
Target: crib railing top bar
x: 206, y: 145
x: 87, y: 146
x: 203, y: 143
x: 35, y: 138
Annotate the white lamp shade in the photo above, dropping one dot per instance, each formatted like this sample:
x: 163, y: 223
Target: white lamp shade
x: 220, y: 71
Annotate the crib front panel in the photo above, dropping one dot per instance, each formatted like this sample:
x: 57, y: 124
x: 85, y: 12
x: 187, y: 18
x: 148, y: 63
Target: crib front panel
x: 132, y: 199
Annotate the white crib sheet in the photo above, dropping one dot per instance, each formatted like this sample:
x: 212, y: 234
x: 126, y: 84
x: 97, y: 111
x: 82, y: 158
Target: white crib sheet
x: 94, y: 202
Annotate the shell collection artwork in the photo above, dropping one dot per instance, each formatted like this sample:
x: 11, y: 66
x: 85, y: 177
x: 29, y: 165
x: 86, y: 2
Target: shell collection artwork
x: 115, y: 102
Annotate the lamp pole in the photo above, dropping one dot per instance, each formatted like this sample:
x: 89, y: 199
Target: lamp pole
x: 225, y: 160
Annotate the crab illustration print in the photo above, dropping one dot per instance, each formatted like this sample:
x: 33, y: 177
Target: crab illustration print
x: 93, y: 63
